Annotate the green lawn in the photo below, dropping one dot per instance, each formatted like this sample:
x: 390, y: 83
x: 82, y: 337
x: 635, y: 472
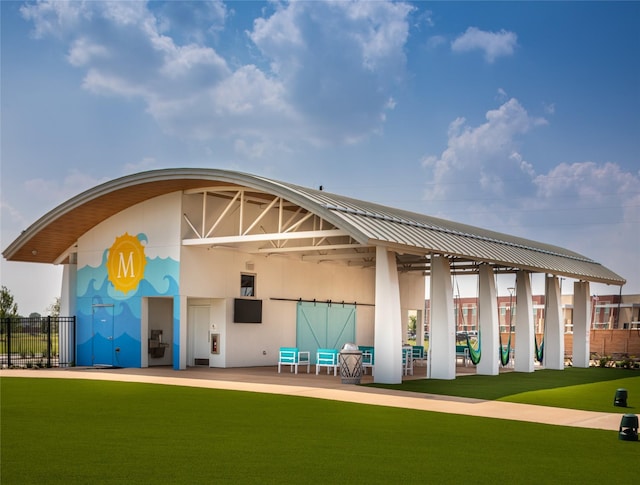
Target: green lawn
x: 591, y: 389
x: 25, y: 344
x: 82, y: 431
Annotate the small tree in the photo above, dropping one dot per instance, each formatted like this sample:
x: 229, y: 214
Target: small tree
x: 54, y: 308
x: 412, y: 325
x: 8, y: 307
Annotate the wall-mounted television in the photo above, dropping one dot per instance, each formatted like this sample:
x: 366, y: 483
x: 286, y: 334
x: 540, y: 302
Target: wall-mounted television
x: 247, y: 311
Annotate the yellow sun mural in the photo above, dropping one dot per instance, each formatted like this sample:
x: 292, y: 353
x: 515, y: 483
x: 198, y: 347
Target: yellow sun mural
x: 126, y: 262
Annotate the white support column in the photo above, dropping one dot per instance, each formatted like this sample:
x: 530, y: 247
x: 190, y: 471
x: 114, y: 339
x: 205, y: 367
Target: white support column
x: 144, y: 332
x: 488, y: 311
x: 68, y: 295
x: 553, y: 326
x: 69, y: 290
x: 388, y: 324
x: 180, y: 333
x: 442, y: 335
x: 525, y: 349
x: 581, y: 323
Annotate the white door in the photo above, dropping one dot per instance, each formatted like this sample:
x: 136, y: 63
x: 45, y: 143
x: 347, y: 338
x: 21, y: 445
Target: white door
x: 198, y: 335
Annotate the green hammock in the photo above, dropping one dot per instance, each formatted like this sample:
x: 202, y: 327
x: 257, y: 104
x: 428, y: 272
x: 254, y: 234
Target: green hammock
x: 539, y: 349
x: 505, y: 351
x: 474, y: 353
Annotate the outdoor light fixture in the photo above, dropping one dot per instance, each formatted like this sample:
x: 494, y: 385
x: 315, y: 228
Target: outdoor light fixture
x: 511, y: 291
x: 628, y: 430
x: 620, y: 398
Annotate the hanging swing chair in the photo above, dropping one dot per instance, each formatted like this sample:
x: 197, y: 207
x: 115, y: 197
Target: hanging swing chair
x: 475, y: 352
x: 539, y: 348
x: 505, y: 351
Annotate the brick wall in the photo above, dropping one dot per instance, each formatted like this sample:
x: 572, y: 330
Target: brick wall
x: 602, y: 342
x: 607, y: 342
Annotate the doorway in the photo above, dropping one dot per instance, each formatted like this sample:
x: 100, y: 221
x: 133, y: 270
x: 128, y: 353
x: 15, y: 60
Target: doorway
x: 102, y: 345
x: 159, y: 328
x: 324, y: 325
x: 198, y: 351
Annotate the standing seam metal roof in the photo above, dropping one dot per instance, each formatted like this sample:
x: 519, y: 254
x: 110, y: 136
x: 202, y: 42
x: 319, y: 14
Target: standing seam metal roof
x: 365, y: 222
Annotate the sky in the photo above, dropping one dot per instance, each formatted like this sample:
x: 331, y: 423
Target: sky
x: 520, y: 117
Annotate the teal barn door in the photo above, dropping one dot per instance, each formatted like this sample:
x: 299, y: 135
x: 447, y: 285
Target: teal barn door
x: 324, y: 326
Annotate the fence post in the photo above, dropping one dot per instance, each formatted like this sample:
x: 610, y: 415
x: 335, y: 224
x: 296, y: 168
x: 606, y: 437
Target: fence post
x: 49, y: 341
x: 75, y: 327
x: 8, y: 322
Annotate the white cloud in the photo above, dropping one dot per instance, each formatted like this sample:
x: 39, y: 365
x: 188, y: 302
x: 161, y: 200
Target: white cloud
x: 482, y: 178
x: 597, y: 187
x: 337, y: 62
x: 54, y: 17
x: 478, y: 159
x: 11, y: 216
x: 192, y: 21
x: 51, y: 192
x: 493, y: 44
x: 184, y: 61
x: 333, y: 65
x: 39, y: 196
x: 147, y: 163
x: 84, y: 51
x: 436, y: 41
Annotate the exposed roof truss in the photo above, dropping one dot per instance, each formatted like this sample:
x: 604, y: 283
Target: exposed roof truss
x: 263, y: 223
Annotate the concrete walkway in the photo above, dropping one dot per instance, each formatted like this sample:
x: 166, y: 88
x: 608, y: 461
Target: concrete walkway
x: 267, y: 380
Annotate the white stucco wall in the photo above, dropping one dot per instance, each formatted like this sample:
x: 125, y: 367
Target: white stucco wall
x: 215, y: 274
x: 159, y: 219
x: 211, y: 277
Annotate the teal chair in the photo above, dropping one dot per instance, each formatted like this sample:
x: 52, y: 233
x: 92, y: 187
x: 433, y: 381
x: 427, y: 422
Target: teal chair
x: 368, y: 357
x: 462, y: 352
x: 418, y: 352
x: 407, y: 360
x: 293, y: 357
x: 327, y: 358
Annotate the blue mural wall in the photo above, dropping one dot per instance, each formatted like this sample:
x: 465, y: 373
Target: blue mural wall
x: 109, y: 320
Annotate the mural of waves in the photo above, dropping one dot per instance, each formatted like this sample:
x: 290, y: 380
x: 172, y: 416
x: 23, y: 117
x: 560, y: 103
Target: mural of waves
x: 109, y: 320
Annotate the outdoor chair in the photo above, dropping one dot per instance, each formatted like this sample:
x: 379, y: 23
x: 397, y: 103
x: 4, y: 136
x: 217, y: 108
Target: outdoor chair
x: 417, y: 352
x: 327, y: 358
x: 368, y: 358
x: 462, y: 352
x: 293, y: 357
x: 407, y: 361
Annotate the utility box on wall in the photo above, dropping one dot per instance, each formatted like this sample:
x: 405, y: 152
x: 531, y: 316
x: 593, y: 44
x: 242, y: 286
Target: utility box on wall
x: 215, y: 343
x: 156, y: 345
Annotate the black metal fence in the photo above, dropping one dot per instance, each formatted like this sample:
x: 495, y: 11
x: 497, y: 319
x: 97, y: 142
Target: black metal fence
x: 37, y: 342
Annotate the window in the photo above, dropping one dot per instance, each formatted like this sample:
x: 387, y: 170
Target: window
x: 247, y: 284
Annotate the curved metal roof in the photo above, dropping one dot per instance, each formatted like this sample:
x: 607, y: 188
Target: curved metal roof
x: 49, y: 238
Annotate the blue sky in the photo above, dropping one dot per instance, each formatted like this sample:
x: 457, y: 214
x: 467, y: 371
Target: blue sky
x: 514, y: 116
